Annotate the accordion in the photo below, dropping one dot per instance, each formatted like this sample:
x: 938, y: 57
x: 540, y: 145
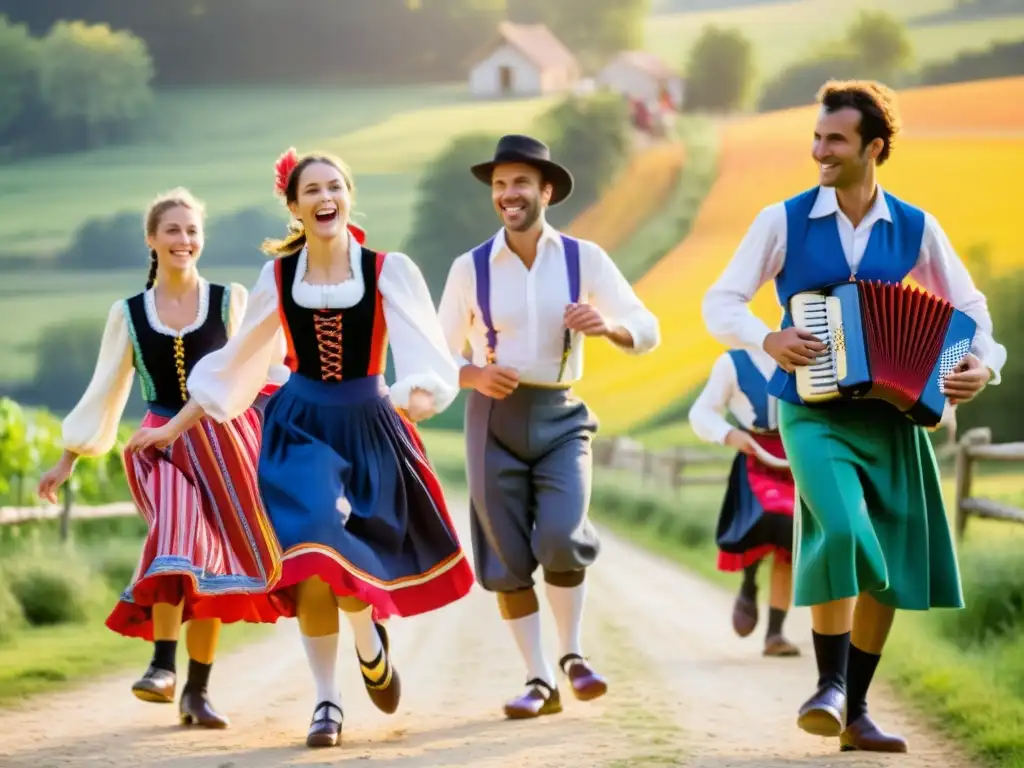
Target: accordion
x: 883, y: 341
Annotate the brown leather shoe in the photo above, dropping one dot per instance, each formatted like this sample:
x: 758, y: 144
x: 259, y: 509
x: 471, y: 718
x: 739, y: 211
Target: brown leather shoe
x: 325, y: 726
x: 195, y: 708
x: 744, y: 615
x: 539, y: 699
x: 824, y: 712
x: 586, y: 683
x: 157, y: 686
x: 863, y: 735
x: 777, y: 645
x: 386, y: 688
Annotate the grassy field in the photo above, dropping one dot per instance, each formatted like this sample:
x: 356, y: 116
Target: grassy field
x: 964, y: 145
x: 783, y: 33
x: 223, y: 144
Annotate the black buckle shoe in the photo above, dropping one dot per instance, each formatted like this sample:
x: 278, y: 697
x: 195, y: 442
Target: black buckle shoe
x: 157, y: 686
x: 324, y: 730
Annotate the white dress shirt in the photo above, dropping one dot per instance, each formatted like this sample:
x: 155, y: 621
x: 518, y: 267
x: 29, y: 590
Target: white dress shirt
x: 527, y: 308
x: 227, y: 380
x: 762, y: 253
x: 722, y: 394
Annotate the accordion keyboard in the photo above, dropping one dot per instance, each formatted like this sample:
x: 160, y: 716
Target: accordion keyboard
x: 818, y: 381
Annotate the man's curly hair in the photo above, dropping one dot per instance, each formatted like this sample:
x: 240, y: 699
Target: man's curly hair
x: 879, y: 116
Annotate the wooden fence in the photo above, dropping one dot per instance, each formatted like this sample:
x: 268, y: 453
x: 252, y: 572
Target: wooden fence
x: 976, y: 445
x: 662, y: 468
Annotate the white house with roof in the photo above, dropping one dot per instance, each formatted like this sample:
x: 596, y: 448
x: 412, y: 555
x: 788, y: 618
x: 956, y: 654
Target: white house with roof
x: 523, y: 60
x: 644, y: 76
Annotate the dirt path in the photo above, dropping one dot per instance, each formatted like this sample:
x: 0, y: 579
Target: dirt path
x: 684, y: 691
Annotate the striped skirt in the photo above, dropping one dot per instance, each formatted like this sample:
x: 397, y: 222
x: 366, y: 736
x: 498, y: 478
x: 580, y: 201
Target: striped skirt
x: 209, y: 542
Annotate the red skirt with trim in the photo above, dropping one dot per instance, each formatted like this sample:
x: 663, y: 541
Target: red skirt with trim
x: 209, y: 542
x: 756, y: 520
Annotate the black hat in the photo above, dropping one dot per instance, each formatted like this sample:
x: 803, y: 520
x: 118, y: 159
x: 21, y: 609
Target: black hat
x: 524, y: 149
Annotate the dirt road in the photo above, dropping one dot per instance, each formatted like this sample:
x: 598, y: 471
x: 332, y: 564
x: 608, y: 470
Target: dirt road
x: 684, y: 691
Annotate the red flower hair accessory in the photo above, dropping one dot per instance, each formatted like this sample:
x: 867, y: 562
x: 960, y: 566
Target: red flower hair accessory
x: 283, y: 170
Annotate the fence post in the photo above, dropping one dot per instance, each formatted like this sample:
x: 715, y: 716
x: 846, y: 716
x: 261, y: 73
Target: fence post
x: 65, y: 515
x: 965, y: 472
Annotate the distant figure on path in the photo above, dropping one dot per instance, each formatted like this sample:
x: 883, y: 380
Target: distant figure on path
x: 756, y: 521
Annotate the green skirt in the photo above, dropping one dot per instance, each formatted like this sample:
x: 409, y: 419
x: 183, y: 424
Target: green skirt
x: 871, y: 516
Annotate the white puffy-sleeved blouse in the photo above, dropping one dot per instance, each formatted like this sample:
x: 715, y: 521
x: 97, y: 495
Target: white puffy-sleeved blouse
x: 91, y: 427
x: 225, y: 381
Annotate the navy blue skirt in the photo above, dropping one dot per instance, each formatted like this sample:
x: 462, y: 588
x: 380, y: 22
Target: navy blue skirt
x: 353, y: 499
x: 747, y: 531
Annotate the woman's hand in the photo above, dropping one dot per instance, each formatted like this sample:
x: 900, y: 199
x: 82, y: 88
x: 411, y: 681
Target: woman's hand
x: 421, y: 405
x: 152, y: 437
x: 54, y: 478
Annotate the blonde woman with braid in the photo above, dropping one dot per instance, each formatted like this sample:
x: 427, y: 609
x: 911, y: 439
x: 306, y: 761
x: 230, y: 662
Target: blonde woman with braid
x: 210, y: 554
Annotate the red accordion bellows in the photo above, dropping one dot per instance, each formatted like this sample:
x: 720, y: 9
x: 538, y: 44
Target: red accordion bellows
x: 903, y: 329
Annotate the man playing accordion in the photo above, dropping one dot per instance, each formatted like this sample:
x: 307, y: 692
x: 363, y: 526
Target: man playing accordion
x: 871, y: 529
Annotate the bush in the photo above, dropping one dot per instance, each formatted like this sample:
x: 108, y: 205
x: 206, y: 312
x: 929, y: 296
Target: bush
x: 12, y: 617
x: 55, y: 588
x: 993, y: 595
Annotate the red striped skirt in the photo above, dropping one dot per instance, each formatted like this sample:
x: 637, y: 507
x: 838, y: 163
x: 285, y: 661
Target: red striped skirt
x: 209, y: 542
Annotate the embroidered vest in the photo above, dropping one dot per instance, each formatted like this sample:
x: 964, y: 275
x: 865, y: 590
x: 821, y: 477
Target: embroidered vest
x: 814, y: 259
x: 482, y: 268
x: 334, y: 344
x: 164, y: 362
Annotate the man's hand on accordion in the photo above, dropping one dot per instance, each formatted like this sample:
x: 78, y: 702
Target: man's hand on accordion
x: 793, y: 347
x: 966, y: 380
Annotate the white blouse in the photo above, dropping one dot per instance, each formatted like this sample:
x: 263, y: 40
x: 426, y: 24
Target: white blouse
x: 226, y: 381
x: 91, y: 427
x: 722, y: 393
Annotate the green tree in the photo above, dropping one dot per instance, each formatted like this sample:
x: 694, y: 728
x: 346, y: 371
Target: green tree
x: 880, y: 43
x: 590, y: 136
x: 454, y: 210
x: 93, y: 79
x: 18, y: 61
x: 720, y: 71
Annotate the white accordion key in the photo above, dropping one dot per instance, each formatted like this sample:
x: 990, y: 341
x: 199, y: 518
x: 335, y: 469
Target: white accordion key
x: 817, y: 381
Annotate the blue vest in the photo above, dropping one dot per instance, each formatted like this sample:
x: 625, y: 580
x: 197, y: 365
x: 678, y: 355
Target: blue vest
x: 814, y: 259
x: 753, y: 385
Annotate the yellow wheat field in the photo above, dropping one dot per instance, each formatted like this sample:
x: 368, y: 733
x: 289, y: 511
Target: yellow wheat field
x: 638, y: 193
x: 961, y: 158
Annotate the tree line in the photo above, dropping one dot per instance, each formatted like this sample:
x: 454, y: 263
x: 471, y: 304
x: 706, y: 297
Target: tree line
x: 203, y: 42
x: 721, y: 74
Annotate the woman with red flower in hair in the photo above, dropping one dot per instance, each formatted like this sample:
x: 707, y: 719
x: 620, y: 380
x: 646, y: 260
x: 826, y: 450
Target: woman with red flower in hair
x: 347, y: 485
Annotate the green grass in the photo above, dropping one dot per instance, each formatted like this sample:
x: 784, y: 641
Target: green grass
x: 783, y: 33
x: 972, y: 691
x: 222, y: 144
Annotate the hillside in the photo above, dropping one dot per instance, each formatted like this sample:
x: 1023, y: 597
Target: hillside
x: 788, y: 31
x: 963, y: 144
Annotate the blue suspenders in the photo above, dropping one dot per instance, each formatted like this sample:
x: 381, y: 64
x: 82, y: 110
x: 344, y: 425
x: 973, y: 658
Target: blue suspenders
x: 482, y: 265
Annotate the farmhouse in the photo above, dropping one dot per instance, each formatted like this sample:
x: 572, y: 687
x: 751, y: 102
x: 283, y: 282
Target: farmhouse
x: 524, y: 60
x: 643, y: 76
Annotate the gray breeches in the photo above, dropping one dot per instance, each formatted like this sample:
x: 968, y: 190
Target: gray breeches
x: 529, y: 467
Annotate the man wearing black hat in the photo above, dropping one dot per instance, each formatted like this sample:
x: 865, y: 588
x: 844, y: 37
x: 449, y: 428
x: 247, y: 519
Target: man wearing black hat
x: 522, y: 299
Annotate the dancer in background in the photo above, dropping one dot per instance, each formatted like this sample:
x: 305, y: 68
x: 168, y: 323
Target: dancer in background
x: 209, y: 553
x: 756, y: 521
x: 522, y: 299
x: 873, y: 532
x: 351, y: 496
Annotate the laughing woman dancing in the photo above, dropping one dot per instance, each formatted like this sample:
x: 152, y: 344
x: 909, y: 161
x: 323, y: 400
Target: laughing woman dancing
x: 353, y: 500
x: 209, y: 554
